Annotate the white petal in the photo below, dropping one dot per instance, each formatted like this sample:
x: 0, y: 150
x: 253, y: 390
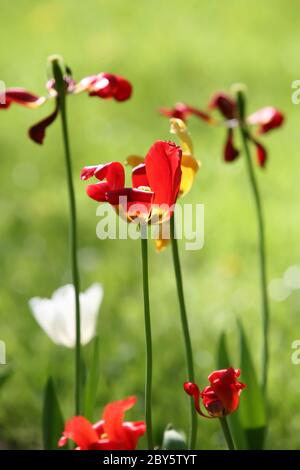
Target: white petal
x: 90, y: 302
x: 44, y: 313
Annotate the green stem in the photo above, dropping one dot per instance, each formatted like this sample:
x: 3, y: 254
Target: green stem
x: 185, y: 331
x: 148, y: 336
x: 60, y: 87
x: 227, y: 433
x: 262, y: 252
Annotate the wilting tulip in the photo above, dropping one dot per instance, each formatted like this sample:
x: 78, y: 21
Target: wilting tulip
x: 155, y: 184
x: 221, y: 397
x: 111, y: 433
x: 102, y: 85
x: 265, y: 119
x: 56, y: 316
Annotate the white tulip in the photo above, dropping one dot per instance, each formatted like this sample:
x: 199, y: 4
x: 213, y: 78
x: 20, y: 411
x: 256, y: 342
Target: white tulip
x: 56, y: 316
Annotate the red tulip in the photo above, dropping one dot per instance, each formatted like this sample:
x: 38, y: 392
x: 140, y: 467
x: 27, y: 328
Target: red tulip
x: 221, y: 397
x: 111, y: 433
x: 266, y: 119
x: 103, y: 85
x: 155, y: 184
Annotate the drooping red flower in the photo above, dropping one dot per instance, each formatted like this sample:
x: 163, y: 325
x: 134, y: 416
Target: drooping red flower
x: 103, y: 85
x: 265, y: 119
x: 221, y: 397
x: 183, y: 111
x: 155, y: 184
x: 111, y: 433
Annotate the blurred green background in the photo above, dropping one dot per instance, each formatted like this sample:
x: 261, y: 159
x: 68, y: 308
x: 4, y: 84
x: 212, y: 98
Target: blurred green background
x: 171, y: 51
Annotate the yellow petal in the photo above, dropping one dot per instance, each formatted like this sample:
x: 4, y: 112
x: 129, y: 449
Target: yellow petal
x: 179, y: 128
x: 134, y: 160
x: 189, y: 168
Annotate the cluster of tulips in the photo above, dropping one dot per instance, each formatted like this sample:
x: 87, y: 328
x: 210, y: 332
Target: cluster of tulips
x: 166, y: 173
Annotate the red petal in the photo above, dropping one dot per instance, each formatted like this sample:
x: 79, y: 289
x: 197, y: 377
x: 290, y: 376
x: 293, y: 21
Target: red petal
x: 38, y: 131
x: 112, y: 172
x: 193, y: 391
x: 139, y: 176
x: 261, y: 154
x: 267, y: 118
x: 225, y: 104
x: 98, y: 191
x: 227, y: 388
x: 80, y: 430
x: 113, y: 417
x: 22, y: 97
x: 230, y: 152
x: 163, y: 168
x: 180, y: 111
x: 124, y: 89
x: 105, y: 86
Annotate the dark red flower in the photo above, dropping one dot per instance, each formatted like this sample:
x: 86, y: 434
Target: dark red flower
x: 266, y: 119
x: 221, y: 397
x: 155, y: 184
x: 111, y: 433
x: 182, y: 111
x: 103, y: 85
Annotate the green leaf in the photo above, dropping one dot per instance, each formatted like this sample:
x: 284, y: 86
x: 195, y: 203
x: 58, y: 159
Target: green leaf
x: 233, y: 420
x: 92, y: 383
x: 252, y: 409
x: 53, y: 423
x: 173, y: 440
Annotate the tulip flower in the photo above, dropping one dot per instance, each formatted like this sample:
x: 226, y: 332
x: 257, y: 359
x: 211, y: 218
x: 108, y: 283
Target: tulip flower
x: 102, y: 85
x: 189, y: 168
x: 265, y: 120
x: 155, y: 187
x: 111, y: 433
x: 221, y: 397
x: 56, y: 316
x: 155, y: 184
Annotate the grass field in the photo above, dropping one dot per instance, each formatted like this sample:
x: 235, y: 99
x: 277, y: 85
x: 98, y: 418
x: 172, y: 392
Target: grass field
x: 171, y: 51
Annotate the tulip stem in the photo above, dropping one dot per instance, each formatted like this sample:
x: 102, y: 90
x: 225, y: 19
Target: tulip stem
x: 185, y: 330
x: 227, y: 433
x: 148, y: 336
x: 261, y: 241
x: 61, y: 91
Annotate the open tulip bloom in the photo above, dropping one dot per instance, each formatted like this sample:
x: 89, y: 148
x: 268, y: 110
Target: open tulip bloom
x: 56, y: 316
x: 155, y: 185
x: 110, y: 433
x: 220, y: 398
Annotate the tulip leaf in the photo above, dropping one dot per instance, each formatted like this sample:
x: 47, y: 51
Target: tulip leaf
x: 252, y: 410
x: 173, y: 440
x: 234, y: 422
x: 53, y: 423
x: 92, y: 382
